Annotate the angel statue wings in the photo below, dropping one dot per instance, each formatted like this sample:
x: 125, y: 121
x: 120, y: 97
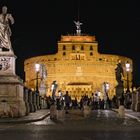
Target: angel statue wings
x: 78, y: 25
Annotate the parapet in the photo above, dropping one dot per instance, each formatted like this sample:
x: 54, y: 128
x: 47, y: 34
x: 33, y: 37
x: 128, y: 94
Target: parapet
x: 76, y: 38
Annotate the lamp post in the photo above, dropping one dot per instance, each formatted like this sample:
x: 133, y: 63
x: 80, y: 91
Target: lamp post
x: 43, y: 76
x: 127, y: 65
x: 37, y: 68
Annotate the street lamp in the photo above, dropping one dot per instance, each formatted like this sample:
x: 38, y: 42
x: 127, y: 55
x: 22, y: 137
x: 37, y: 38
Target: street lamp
x: 37, y: 68
x: 127, y: 65
x: 43, y: 76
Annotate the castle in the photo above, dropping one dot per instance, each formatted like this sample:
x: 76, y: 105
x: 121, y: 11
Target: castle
x: 78, y: 67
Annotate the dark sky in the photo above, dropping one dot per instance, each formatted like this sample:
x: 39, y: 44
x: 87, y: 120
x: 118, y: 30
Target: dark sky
x: 40, y: 23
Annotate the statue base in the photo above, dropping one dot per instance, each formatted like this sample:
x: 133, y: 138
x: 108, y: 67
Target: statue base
x: 121, y: 111
x: 53, y: 112
x: 119, y: 94
x: 86, y: 111
x: 137, y: 107
x: 11, y: 96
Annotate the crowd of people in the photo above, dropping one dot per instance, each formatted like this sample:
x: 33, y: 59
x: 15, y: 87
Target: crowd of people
x: 94, y: 102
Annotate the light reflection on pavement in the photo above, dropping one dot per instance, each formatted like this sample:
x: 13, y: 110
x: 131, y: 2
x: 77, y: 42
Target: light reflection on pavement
x: 101, y: 125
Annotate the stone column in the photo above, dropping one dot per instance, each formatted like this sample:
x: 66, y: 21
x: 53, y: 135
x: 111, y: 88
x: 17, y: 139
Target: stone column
x: 37, y: 101
x: 26, y: 100
x: 133, y: 101
x: 40, y: 102
x: 34, y: 102
x: 31, y: 107
x: 11, y: 96
x: 137, y: 107
x: 44, y: 103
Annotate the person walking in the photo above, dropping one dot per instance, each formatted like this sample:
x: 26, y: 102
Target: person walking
x: 67, y: 99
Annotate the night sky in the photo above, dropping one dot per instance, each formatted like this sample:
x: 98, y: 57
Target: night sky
x: 40, y: 23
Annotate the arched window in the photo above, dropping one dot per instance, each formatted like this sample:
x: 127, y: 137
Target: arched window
x: 82, y: 47
x: 73, y: 47
x: 64, y: 53
x: 91, y: 48
x: 91, y: 53
x: 64, y: 47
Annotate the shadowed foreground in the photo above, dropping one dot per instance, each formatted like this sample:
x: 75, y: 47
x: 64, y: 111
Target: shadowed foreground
x: 100, y: 125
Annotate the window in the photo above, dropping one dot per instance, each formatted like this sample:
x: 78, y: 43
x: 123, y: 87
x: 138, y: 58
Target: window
x: 73, y: 47
x: 91, y: 53
x: 64, y: 53
x: 64, y: 47
x: 91, y: 48
x: 82, y: 47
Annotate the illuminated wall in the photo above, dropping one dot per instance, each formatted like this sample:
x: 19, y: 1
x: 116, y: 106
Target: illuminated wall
x: 77, y: 67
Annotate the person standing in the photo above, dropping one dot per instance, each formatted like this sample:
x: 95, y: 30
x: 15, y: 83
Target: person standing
x: 67, y: 101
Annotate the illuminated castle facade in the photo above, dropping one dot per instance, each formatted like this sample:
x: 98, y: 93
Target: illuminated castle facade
x: 78, y: 67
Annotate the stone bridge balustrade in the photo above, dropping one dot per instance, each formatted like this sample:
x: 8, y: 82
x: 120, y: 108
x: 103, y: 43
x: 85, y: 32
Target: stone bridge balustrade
x: 137, y: 107
x: 26, y: 100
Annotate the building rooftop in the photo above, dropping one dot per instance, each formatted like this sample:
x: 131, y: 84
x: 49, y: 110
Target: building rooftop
x: 77, y: 38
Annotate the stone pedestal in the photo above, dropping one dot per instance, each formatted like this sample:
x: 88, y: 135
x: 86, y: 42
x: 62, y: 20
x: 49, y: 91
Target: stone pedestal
x: 133, y: 105
x: 40, y: 102
x: 86, y: 111
x: 34, y: 101
x: 11, y: 96
x: 26, y: 99
x: 30, y: 100
x: 137, y: 107
x: 37, y: 101
x: 119, y: 94
x: 53, y: 112
x: 44, y: 103
x: 121, y: 111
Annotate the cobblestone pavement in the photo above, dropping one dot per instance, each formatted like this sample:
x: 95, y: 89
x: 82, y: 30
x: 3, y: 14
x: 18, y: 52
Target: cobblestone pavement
x: 102, y: 124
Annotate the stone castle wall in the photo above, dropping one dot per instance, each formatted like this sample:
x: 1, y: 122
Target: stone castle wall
x: 78, y: 67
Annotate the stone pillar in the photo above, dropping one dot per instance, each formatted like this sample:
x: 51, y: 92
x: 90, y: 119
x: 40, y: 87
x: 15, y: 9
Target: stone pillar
x: 11, y: 96
x: 53, y: 112
x: 119, y: 94
x: 121, y: 111
x: 37, y: 101
x: 133, y: 101
x: 26, y: 100
x: 34, y: 102
x: 30, y: 98
x: 44, y: 105
x: 40, y: 102
x: 137, y: 107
